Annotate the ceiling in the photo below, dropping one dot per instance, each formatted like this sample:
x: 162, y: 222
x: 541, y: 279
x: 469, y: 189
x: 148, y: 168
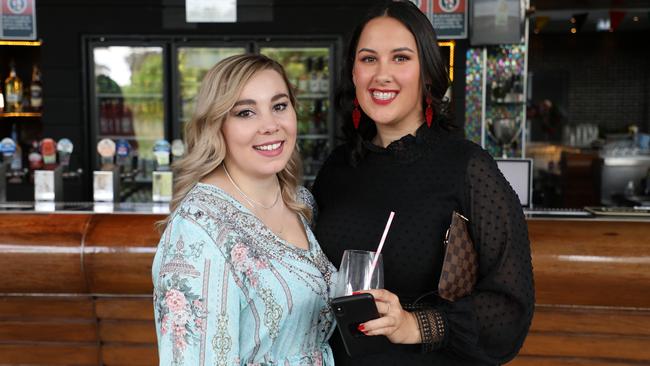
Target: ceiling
x: 589, y: 4
x: 636, y: 14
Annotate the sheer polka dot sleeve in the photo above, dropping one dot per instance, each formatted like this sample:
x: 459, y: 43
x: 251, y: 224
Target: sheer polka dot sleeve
x: 492, y: 323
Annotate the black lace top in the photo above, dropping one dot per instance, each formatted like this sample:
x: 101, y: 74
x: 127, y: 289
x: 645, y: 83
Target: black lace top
x: 423, y: 178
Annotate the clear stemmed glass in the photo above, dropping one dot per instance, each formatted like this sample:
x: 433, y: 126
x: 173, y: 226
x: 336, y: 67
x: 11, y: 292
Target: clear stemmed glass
x: 354, y: 273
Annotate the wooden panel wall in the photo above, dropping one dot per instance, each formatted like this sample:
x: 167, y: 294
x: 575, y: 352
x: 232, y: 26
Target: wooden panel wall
x: 78, y: 291
x: 592, y: 284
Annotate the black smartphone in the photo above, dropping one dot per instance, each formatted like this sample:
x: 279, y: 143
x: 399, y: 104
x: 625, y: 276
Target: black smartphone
x: 350, y: 311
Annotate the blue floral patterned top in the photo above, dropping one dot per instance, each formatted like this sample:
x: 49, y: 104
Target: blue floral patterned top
x: 228, y: 291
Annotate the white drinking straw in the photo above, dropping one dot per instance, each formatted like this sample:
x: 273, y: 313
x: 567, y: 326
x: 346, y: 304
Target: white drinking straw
x: 379, y: 248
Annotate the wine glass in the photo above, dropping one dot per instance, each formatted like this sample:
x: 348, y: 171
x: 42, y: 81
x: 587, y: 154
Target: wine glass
x: 355, y: 273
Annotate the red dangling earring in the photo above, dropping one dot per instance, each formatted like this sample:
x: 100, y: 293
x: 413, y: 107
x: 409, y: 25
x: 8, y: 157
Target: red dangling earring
x: 428, y: 114
x: 356, y: 114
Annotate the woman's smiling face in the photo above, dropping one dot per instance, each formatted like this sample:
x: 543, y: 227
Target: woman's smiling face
x: 386, y: 74
x: 260, y: 130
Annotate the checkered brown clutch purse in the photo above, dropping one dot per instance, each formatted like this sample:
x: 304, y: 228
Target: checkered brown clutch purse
x: 460, y: 266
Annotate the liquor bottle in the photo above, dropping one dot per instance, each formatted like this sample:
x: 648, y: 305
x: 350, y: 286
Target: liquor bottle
x: 314, y: 77
x: 13, y: 90
x: 36, y: 89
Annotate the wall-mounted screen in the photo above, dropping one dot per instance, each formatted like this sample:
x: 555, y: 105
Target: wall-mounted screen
x: 494, y: 22
x: 519, y: 173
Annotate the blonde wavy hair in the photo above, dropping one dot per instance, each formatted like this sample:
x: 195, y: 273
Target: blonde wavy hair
x: 206, y: 146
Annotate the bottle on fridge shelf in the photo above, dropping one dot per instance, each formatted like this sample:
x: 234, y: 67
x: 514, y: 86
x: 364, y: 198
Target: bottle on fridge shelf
x: 103, y: 118
x: 36, y: 89
x: 115, y: 118
x: 127, y: 120
x: 324, y: 113
x: 314, y: 78
x: 324, y: 84
x: 303, y: 80
x: 316, y: 117
x: 13, y: 90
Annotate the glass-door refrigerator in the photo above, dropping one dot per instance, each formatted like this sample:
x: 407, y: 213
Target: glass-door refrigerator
x: 128, y: 97
x: 143, y: 89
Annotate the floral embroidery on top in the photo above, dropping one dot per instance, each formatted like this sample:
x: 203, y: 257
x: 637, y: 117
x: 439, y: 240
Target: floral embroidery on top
x: 256, y: 280
x: 258, y: 236
x: 182, y: 311
x: 245, y: 261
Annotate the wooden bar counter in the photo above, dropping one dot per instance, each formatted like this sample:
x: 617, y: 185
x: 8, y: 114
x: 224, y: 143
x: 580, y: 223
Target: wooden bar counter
x: 76, y: 290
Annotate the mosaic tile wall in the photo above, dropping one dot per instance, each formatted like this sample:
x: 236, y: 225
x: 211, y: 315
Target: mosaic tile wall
x: 503, y: 63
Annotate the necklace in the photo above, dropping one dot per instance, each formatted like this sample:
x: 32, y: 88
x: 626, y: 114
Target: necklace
x: 251, y: 201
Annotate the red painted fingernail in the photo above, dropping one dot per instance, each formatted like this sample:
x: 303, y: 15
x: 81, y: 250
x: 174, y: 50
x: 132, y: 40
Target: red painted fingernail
x: 361, y: 328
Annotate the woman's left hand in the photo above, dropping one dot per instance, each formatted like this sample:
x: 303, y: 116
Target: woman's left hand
x: 397, y: 324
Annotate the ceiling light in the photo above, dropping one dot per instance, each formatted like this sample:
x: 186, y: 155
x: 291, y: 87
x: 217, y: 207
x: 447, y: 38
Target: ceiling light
x: 573, y: 30
x: 635, y: 18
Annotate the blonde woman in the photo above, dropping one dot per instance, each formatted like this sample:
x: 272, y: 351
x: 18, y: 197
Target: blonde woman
x: 239, y: 278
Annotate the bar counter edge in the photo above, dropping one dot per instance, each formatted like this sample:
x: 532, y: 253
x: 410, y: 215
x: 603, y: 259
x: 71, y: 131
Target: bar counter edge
x: 77, y: 290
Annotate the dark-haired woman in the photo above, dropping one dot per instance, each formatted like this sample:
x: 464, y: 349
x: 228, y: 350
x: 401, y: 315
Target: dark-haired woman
x: 401, y: 156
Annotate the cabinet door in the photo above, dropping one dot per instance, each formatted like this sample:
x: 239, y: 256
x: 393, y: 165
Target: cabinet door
x: 129, y: 97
